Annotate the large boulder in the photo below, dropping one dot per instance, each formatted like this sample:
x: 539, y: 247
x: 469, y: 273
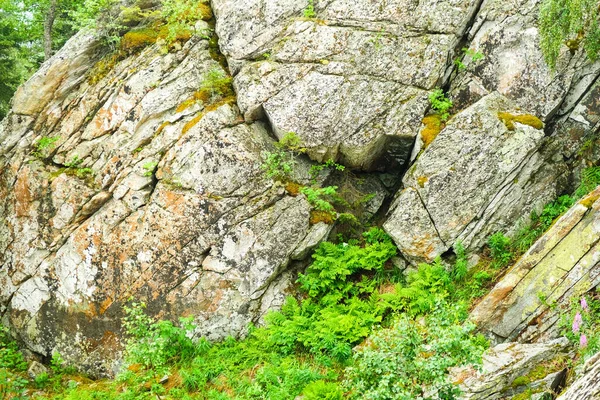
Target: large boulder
x: 119, y: 183
x: 350, y: 78
x: 564, y: 263
x: 480, y: 175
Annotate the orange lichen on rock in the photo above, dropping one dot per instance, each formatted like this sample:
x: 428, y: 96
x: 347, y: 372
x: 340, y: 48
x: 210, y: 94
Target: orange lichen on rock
x: 317, y: 216
x: 422, y: 180
x: 293, y: 188
x: 433, y: 126
x: 525, y: 119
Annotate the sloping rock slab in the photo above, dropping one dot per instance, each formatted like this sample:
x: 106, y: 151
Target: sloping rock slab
x: 563, y: 263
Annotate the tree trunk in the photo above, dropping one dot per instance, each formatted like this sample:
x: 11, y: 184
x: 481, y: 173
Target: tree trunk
x: 48, y: 24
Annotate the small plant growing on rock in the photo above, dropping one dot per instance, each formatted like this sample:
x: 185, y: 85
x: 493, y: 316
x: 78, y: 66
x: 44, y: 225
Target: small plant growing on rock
x: 316, y: 169
x: 473, y: 54
x: 317, y: 197
x: 44, y: 145
x: 309, y: 11
x: 149, y: 168
x: 74, y: 169
x: 440, y: 104
x: 279, y: 164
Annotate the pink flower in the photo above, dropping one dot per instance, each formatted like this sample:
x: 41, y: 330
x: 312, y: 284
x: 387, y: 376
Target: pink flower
x: 584, y: 304
x: 583, y: 341
x: 577, y: 323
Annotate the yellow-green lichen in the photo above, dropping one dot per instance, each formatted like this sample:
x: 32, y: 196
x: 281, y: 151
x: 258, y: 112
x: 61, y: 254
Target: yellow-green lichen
x: 317, y: 216
x: 433, y: 126
x: 191, y: 123
x: 509, y: 120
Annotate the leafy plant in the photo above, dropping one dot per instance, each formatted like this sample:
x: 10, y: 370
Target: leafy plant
x: 590, y: 179
x: 154, y: 344
x: 413, y: 357
x: 74, y: 169
x: 149, y: 168
x: 440, y: 104
x: 321, y: 390
x: 316, y: 169
x: 291, y: 142
x: 44, y: 145
x: 473, y: 54
x: 278, y: 164
x: 309, y: 11
x: 580, y: 323
x: 500, y: 250
x: 317, y: 197
x: 571, y: 22
x: 216, y: 82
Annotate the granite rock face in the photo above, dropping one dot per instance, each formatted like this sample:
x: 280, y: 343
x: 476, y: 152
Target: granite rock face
x: 351, y: 78
x: 506, y: 34
x: 137, y: 196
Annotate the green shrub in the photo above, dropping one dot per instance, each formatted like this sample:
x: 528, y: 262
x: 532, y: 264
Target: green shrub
x: 590, y: 179
x: 339, y: 311
x: 149, y: 168
x: 278, y: 165
x: 10, y: 356
x: 411, y: 356
x: 155, y: 344
x: 44, y: 145
x: 309, y: 11
x: 500, y: 250
x: 316, y: 169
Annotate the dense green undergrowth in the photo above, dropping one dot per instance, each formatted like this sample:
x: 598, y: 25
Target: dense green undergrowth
x: 333, y: 341
x: 358, y: 328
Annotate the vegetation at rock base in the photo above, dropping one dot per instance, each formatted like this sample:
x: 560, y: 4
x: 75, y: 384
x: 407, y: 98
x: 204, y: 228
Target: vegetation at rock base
x: 332, y: 341
x: 573, y: 23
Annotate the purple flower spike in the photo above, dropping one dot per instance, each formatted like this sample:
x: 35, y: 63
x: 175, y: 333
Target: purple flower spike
x: 583, y: 341
x: 584, y: 304
x: 577, y: 321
